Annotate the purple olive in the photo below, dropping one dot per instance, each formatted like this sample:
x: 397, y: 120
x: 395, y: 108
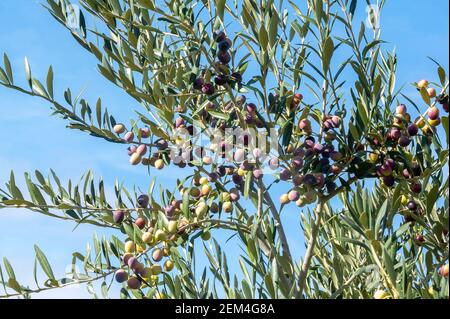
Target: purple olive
x: 293, y: 195
x: 258, y: 173
x: 413, y: 129
x: 309, y: 180
x: 404, y: 141
x: 198, y: 83
x: 412, y: 205
x: 121, y: 275
x: 395, y: 133
x: 274, y: 163
x: 118, y: 216
x: 131, y: 150
x: 134, y: 283
x: 162, y: 145
x: 285, y: 175
x: 297, y: 180
x: 390, y: 162
x: 237, y: 179
x: 143, y: 201
x: 416, y: 169
x: 220, y: 80
x: 133, y: 263
x: 236, y: 76
x: 385, y: 170
x: 320, y: 179
x: 208, y: 89
x: 251, y: 107
x: 224, y: 45
x: 318, y: 148
x: 389, y: 181
x: 129, y: 136
x: 406, y: 174
x: 179, y: 122
x: 170, y: 211
x: 416, y: 187
x: 224, y: 57
x: 336, y: 156
x: 220, y: 36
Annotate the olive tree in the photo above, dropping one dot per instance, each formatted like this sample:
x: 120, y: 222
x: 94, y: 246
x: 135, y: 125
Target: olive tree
x: 247, y: 97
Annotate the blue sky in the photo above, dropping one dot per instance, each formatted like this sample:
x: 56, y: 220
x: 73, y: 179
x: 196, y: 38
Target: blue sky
x: 31, y: 139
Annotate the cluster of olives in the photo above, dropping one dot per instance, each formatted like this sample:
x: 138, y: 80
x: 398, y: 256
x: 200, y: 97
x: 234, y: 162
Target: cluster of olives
x: 158, y: 239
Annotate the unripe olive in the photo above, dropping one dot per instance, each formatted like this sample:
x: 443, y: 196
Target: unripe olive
x: 156, y: 269
x: 166, y: 252
x: 133, y: 283
x: 422, y: 84
x: 172, y: 226
x: 284, y: 199
x: 135, y: 158
x: 130, y: 247
x: 420, y: 122
x: 168, y: 265
x: 195, y: 192
x: 224, y: 197
x: 435, y: 122
x: 147, y: 238
x: 373, y: 157
x: 121, y: 275
x: 404, y: 200
x: 159, y: 164
x: 146, y: 273
x: 157, y: 254
x: 160, y: 235
x: 201, y: 210
x: 119, y: 128
x: 206, y: 189
x: 310, y: 197
x: 380, y: 294
x: 227, y: 207
x: 207, y: 160
x: 206, y: 235
x: 300, y: 202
